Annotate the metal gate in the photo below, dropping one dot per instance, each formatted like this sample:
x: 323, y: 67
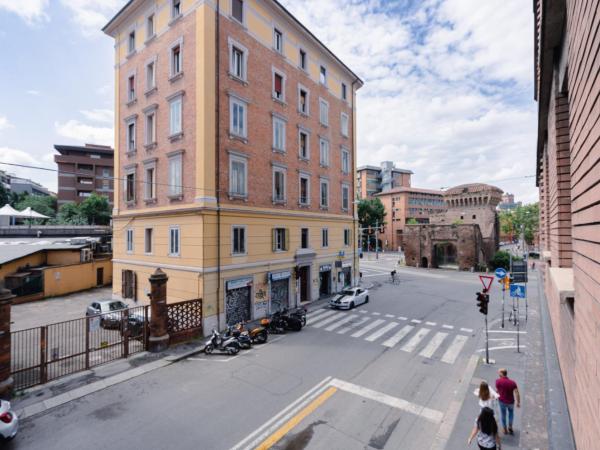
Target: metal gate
x: 237, y: 305
x: 280, y: 294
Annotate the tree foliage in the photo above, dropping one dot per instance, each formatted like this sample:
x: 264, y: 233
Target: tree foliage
x: 371, y: 212
x: 4, y: 196
x: 94, y: 210
x: 43, y: 204
x: 524, y: 218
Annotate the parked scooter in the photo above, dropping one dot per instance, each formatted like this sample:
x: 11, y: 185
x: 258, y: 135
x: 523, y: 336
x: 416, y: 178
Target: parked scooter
x: 300, y: 314
x: 229, y: 345
x: 275, y: 324
x: 258, y: 334
x: 293, y: 321
x: 242, y: 336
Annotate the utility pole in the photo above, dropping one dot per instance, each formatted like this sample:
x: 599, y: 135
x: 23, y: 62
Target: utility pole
x: 503, y: 296
x: 483, y: 299
x: 376, y: 239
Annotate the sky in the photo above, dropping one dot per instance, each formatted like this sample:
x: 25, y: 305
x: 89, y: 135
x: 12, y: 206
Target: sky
x: 448, y: 83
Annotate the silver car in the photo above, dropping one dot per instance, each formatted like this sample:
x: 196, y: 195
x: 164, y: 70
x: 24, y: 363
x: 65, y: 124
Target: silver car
x: 9, y: 422
x: 349, y: 298
x: 110, y: 310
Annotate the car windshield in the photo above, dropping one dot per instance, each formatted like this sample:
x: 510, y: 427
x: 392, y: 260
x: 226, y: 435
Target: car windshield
x: 347, y: 292
x: 115, y: 306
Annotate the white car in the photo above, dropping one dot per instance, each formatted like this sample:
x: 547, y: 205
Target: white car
x: 349, y: 298
x: 9, y: 422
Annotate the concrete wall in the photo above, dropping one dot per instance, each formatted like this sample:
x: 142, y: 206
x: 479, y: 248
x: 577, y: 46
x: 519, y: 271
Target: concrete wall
x: 61, y: 280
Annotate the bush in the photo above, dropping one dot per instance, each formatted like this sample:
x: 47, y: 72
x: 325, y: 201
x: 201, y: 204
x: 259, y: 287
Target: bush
x: 501, y: 259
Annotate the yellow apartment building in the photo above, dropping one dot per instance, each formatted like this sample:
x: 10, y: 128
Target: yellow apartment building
x: 235, y: 153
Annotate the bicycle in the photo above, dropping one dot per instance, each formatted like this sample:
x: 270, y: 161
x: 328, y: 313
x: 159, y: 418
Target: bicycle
x: 394, y: 279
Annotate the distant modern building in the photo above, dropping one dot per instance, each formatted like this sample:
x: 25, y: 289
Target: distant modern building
x: 83, y: 170
x: 508, y: 202
x: 5, y: 180
x: 24, y: 185
x: 372, y: 180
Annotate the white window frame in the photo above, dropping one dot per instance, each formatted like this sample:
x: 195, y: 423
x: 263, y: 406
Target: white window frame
x: 324, y: 152
x: 233, y: 44
x: 282, y: 247
x: 173, y: 14
x: 344, y: 91
x: 345, y: 165
x: 304, y: 131
x: 130, y: 171
x: 131, y: 41
x: 305, y: 66
x: 324, y: 237
x: 131, y: 136
x: 129, y: 247
x: 146, y: 252
x: 238, y: 158
x: 345, y: 187
x: 305, y: 89
x: 323, y: 80
x: 344, y: 124
x: 323, y: 112
x: 150, y: 134
x: 307, y: 237
x: 274, y: 72
x: 306, y: 177
x: 243, y: 21
x: 173, y: 101
x: 175, y: 189
x: 150, y: 32
x: 244, y: 105
x: 151, y: 81
x: 323, y: 181
x: 150, y: 185
x: 174, y: 231
x: 279, y: 170
x: 277, y: 31
x: 172, y: 73
x: 131, y: 88
x: 347, y: 237
x: 281, y: 123
x: 245, y: 243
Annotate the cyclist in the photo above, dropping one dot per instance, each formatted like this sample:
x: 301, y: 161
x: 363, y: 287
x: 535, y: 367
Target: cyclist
x: 393, y: 274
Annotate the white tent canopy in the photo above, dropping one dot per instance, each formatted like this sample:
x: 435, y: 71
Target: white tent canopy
x: 31, y: 214
x: 9, y: 211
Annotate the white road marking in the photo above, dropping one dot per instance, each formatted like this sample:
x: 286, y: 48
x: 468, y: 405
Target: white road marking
x: 354, y: 325
x: 312, y: 320
x: 448, y: 327
x: 317, y: 312
x: 433, y: 345
x: 391, y: 316
x: 376, y: 313
x: 402, y: 318
x: 364, y: 311
x: 411, y: 345
x: 467, y: 330
x: 415, y: 321
x: 502, y: 347
x: 426, y: 413
x: 454, y: 349
x: 381, y: 332
x: 507, y: 331
x: 391, y: 342
x: 368, y: 328
x: 328, y: 320
x: 341, y: 322
x: 431, y: 324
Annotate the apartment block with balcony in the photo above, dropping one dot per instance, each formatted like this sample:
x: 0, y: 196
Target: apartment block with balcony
x: 83, y: 170
x: 372, y: 180
x: 235, y: 143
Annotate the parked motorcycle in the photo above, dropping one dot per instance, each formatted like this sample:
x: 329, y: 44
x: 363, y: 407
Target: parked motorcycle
x: 242, y: 337
x: 293, y: 321
x: 229, y: 345
x: 300, y: 314
x: 275, y: 324
x: 258, y: 334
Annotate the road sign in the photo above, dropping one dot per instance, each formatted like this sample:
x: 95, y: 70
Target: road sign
x: 517, y: 291
x: 500, y: 272
x: 486, y: 281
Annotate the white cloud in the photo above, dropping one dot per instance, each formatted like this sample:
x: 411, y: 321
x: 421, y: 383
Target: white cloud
x: 20, y: 157
x: 31, y: 11
x: 83, y: 133
x: 91, y: 15
x: 99, y: 115
x: 33, y: 92
x: 5, y: 124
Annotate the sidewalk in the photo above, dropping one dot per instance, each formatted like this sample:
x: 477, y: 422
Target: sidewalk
x: 538, y: 386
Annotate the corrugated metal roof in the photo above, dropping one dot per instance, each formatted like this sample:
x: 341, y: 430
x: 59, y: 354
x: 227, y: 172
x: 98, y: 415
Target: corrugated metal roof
x: 13, y: 249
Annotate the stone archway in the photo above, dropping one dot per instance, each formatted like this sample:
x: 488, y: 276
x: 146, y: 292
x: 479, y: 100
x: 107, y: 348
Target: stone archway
x: 424, y: 262
x: 445, y: 255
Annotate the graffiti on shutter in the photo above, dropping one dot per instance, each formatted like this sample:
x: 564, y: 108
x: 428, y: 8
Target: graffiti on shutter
x: 279, y: 295
x: 237, y: 305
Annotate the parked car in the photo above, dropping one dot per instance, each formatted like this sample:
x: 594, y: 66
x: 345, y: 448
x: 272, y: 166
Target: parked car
x: 9, y: 421
x: 111, y: 311
x: 349, y: 298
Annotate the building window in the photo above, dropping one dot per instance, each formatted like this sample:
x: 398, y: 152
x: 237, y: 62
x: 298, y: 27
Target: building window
x: 303, y: 100
x: 344, y: 123
x: 130, y: 187
x: 174, y: 243
x: 131, y: 137
x: 106, y: 178
x: 238, y: 176
x: 131, y: 45
x: 150, y: 183
x: 278, y: 40
x: 175, y: 175
x: 344, y: 92
x: 150, y: 76
x: 176, y: 60
x: 238, y: 58
x: 323, y: 75
x: 175, y: 116
x: 129, y: 240
x: 303, y: 143
x: 150, y: 26
x: 304, y: 198
x: 131, y: 88
x: 345, y: 197
x: 278, y: 86
x: 324, y: 194
x: 278, y: 185
x: 324, y: 237
x: 323, y: 112
x: 238, y: 240
x: 237, y: 114
x: 324, y: 152
x: 304, y: 242
x: 148, y: 240
x: 302, y: 59
x: 237, y: 10
x: 345, y: 161
x: 151, y: 128
x: 175, y: 8
x: 280, y: 240
x: 347, y: 237
x: 278, y: 134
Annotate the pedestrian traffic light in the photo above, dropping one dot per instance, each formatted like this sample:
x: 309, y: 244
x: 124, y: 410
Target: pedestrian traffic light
x: 482, y: 302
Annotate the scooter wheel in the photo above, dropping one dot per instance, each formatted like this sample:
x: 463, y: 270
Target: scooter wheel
x: 262, y: 338
x: 233, y: 350
x: 208, y: 349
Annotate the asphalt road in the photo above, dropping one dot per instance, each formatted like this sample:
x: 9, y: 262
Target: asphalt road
x: 381, y: 376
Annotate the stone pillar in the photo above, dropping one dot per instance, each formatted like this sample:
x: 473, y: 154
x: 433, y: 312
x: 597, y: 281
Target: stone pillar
x: 159, y: 338
x: 6, y: 381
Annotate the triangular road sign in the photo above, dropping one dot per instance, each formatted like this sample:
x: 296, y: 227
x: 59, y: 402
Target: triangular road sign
x: 486, y: 281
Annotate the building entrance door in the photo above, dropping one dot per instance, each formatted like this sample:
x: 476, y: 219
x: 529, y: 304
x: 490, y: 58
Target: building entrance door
x: 325, y: 281
x: 304, y: 275
x: 99, y: 276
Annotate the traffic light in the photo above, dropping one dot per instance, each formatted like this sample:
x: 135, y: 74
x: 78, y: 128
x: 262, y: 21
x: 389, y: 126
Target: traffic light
x: 482, y: 302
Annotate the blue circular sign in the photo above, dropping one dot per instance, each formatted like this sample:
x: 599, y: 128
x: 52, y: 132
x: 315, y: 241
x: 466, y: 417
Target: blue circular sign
x: 500, y: 273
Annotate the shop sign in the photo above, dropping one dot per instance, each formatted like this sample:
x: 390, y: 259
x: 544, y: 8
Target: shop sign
x: 338, y: 264
x: 275, y: 276
x: 238, y: 284
x: 325, y: 268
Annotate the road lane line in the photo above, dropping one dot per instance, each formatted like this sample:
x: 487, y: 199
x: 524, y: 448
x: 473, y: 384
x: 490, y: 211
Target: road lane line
x: 381, y: 332
x: 415, y: 321
x: 341, y: 322
x: 421, y: 411
x: 368, y: 328
x: 269, y: 427
x: 391, y: 342
x: 414, y: 341
x: 448, y: 327
x: 317, y: 312
x: 402, y: 318
x: 507, y: 331
x: 431, y: 324
x: 467, y: 330
x: 376, y: 313
x: 454, y: 349
x: 391, y: 316
x: 363, y: 311
x: 433, y: 345
x: 311, y: 320
x: 353, y: 325
x: 502, y: 347
x: 299, y: 417
x: 328, y: 320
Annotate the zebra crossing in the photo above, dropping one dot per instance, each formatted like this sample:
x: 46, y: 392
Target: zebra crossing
x: 414, y: 337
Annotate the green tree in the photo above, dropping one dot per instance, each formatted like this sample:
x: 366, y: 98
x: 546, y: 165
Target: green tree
x: 43, y: 204
x: 370, y: 212
x: 524, y: 219
x: 96, y: 209
x: 412, y: 221
x: 4, y: 196
x: 70, y: 214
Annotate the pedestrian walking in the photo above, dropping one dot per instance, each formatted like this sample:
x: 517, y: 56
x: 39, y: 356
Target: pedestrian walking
x: 508, y: 392
x: 488, y: 397
x: 486, y: 430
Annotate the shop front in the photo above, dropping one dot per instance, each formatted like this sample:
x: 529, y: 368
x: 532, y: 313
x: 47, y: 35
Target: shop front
x: 238, y: 303
x: 325, y: 280
x: 280, y: 290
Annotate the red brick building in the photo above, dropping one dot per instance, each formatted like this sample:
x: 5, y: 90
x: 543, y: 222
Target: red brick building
x: 83, y: 170
x: 567, y: 88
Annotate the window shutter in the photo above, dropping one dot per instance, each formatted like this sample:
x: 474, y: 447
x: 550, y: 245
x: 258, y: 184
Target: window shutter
x: 278, y: 83
x: 287, y: 239
x: 274, y: 239
x: 123, y: 284
x: 134, y: 293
